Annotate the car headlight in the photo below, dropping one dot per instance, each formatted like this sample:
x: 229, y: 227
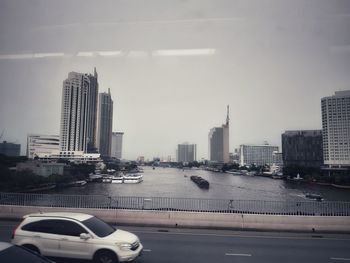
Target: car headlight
x: 124, y: 246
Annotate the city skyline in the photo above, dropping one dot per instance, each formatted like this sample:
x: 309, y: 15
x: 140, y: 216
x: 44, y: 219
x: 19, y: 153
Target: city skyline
x: 172, y: 72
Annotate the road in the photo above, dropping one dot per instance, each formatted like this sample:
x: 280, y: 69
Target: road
x: 193, y: 245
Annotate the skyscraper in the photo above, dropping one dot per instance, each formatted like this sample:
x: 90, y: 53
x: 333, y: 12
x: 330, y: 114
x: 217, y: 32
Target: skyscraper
x: 186, y: 152
x: 104, y: 124
x: 78, y: 113
x: 117, y: 145
x: 336, y: 129
x: 92, y: 114
x: 75, y: 112
x: 219, y: 142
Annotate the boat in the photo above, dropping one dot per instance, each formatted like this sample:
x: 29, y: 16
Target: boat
x: 117, y: 179
x: 202, y: 183
x: 316, y: 197
x: 107, y: 179
x: 132, y: 178
x: 295, y: 179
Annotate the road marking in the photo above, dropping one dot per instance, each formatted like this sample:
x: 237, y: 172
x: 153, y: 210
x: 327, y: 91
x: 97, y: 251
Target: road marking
x: 238, y: 255
x: 147, y: 250
x: 341, y: 259
x: 236, y: 235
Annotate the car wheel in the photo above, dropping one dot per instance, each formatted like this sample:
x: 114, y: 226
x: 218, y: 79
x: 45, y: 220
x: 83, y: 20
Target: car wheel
x: 32, y: 248
x: 105, y: 257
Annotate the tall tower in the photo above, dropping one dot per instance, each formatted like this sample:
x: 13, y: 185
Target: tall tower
x: 92, y: 113
x: 219, y: 142
x: 104, y: 124
x: 336, y: 129
x: 74, y: 112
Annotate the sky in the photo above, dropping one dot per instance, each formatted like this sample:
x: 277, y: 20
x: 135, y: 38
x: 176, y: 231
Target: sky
x: 173, y: 65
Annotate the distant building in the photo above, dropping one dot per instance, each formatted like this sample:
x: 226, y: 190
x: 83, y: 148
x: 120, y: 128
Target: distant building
x: 336, y: 129
x: 104, y: 124
x: 219, y: 142
x: 42, y: 144
x: 303, y: 148
x: 10, y: 149
x: 234, y: 157
x: 186, y: 152
x: 277, y: 158
x: 117, y: 145
x: 78, y: 112
x: 257, y: 154
x: 71, y: 156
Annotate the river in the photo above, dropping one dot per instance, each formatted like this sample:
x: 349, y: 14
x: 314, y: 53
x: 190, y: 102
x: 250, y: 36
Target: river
x: 172, y: 182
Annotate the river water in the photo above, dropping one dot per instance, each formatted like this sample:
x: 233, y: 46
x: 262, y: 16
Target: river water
x: 172, y: 182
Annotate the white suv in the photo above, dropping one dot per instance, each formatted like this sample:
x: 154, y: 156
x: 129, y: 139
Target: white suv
x: 76, y: 235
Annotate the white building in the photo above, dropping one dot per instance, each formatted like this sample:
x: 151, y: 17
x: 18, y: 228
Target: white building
x: 71, y: 156
x: 78, y: 112
x: 186, y: 152
x: 117, y: 145
x: 38, y: 144
x: 257, y: 154
x: 336, y: 129
x: 219, y: 142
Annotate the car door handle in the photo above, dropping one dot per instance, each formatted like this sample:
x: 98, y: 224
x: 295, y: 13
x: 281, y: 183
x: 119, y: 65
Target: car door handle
x: 64, y: 239
x: 37, y: 236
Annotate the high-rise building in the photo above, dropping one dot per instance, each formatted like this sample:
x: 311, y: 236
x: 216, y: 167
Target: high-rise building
x: 257, y: 154
x: 117, y: 145
x: 303, y: 148
x: 186, y: 152
x: 219, y: 142
x: 78, y: 112
x: 336, y: 129
x: 104, y: 123
x: 92, y: 114
x: 10, y: 149
x: 38, y: 145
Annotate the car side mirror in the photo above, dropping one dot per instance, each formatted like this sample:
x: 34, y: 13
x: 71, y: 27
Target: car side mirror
x: 85, y: 236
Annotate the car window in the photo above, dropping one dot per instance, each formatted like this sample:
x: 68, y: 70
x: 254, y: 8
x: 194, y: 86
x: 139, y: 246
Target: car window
x: 70, y: 228
x: 99, y: 227
x: 55, y: 226
x: 49, y: 226
x: 15, y: 254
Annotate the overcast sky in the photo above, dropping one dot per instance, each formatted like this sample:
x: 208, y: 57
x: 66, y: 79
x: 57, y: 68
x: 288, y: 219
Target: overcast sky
x: 173, y: 66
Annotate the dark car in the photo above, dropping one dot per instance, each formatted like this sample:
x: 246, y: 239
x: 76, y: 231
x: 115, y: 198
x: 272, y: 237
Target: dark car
x: 15, y: 254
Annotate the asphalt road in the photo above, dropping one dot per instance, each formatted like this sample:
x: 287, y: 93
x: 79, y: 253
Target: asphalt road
x: 191, y: 245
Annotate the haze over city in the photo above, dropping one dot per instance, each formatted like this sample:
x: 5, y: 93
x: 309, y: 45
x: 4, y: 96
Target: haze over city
x: 173, y: 66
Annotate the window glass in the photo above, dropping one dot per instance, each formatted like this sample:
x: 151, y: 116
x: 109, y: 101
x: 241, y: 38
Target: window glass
x: 70, y: 228
x: 99, y: 227
x: 43, y: 226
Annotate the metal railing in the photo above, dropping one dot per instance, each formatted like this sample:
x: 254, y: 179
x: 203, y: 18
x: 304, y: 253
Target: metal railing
x: 309, y: 208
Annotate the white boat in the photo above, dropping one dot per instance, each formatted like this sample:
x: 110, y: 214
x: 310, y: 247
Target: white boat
x: 117, y: 180
x: 132, y: 178
x: 107, y: 179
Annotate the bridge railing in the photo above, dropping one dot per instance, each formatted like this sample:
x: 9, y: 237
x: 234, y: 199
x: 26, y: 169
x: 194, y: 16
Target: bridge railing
x: 309, y: 208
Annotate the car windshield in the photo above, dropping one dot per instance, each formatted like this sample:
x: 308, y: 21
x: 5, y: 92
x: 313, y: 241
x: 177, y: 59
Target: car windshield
x: 99, y: 227
x: 15, y: 254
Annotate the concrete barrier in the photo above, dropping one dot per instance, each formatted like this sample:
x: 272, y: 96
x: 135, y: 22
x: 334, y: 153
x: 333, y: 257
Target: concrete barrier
x: 197, y: 219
